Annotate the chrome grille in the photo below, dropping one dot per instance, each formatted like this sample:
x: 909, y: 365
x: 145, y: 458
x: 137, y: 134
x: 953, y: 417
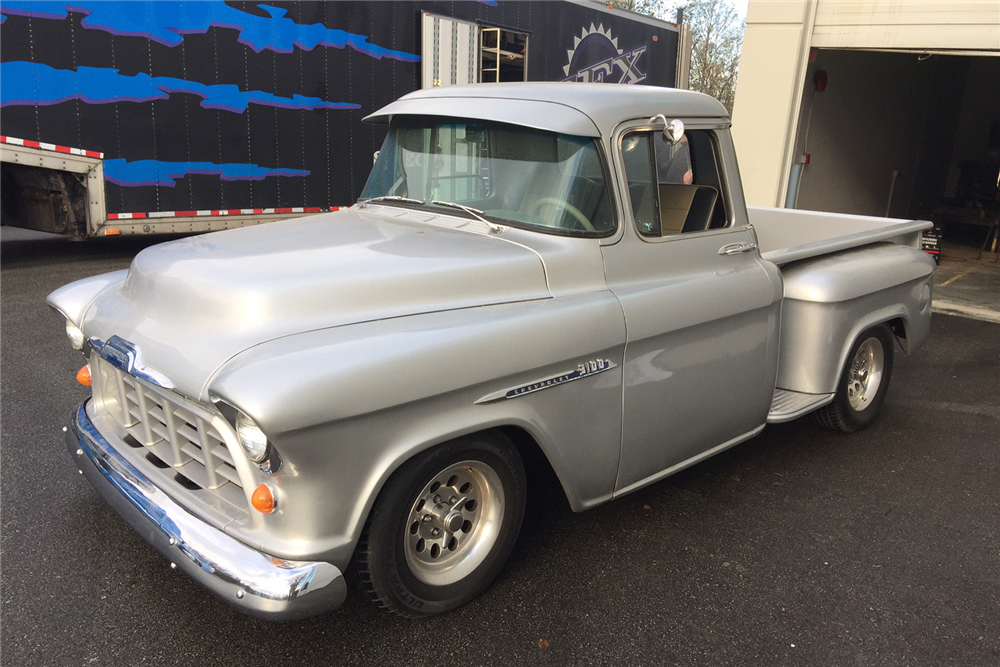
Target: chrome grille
x: 176, y: 434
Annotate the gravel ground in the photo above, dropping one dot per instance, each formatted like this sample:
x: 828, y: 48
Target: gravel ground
x: 800, y: 547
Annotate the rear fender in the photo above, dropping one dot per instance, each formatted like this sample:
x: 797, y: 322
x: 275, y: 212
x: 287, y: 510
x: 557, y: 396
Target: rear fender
x: 830, y: 301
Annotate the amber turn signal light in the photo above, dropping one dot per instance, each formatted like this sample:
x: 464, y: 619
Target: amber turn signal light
x: 83, y: 376
x: 262, y: 499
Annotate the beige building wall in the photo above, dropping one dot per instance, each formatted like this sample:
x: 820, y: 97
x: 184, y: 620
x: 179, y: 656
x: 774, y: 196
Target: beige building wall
x: 907, y: 24
x: 779, y: 35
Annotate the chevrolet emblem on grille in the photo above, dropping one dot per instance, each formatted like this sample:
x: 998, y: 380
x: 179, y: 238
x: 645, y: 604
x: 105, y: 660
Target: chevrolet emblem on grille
x: 127, y: 357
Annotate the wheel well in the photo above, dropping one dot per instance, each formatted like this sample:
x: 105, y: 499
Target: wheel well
x: 540, y: 474
x: 898, y: 327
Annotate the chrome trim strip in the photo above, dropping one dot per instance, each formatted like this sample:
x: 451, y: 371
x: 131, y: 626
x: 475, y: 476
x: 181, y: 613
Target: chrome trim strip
x: 583, y: 370
x: 253, y: 581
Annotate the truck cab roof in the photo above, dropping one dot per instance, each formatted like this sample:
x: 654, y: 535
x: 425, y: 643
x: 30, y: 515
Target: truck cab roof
x: 582, y: 109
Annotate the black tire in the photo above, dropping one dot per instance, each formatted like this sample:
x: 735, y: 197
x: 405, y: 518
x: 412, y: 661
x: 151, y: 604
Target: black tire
x: 401, y: 579
x: 851, y: 409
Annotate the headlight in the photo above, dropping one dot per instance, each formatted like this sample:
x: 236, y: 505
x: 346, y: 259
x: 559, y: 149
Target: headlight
x: 251, y: 437
x: 76, y: 336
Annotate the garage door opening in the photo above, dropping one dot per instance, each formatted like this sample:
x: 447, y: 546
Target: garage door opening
x: 905, y: 135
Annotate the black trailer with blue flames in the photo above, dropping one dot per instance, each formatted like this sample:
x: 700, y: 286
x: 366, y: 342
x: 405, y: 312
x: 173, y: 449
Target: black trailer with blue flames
x: 125, y: 117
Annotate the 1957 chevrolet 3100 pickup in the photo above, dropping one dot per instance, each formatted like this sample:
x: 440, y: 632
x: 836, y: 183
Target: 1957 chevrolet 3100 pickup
x: 562, y: 271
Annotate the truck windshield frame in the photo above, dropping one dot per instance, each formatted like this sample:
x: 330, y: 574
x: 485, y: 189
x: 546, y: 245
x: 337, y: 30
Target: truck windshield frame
x: 517, y: 176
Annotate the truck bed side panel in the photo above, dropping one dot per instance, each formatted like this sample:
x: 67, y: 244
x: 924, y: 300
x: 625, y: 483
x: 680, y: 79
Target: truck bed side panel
x: 788, y: 235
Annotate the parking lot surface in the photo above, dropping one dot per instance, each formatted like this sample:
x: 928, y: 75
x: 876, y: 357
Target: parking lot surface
x: 967, y: 283
x: 800, y: 547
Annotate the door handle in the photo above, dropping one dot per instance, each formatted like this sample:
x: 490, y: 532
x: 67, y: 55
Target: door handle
x: 737, y: 248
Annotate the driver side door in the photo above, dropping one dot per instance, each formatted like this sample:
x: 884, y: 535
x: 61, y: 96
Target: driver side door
x: 701, y: 311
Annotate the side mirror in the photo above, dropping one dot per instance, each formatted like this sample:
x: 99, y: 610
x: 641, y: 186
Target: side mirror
x: 672, y: 130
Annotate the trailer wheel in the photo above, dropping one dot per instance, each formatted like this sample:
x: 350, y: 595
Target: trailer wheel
x: 863, y: 382
x: 443, y: 526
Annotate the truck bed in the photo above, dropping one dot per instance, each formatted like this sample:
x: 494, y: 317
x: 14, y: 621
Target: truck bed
x: 788, y: 235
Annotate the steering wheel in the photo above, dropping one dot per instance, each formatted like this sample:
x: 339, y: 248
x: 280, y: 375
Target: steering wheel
x: 566, y: 206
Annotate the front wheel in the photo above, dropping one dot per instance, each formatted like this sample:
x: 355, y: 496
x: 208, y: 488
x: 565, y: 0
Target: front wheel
x: 864, y: 382
x: 443, y: 526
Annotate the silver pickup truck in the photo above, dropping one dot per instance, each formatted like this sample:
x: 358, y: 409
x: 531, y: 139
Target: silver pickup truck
x: 560, y: 272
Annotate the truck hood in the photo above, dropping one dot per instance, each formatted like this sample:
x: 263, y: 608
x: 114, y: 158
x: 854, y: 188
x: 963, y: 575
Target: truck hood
x: 190, y: 305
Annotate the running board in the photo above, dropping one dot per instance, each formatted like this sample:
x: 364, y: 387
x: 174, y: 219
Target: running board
x: 788, y: 405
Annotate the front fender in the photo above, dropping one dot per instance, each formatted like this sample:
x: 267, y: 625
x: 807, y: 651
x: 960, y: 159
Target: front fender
x: 73, y: 300
x: 346, y: 406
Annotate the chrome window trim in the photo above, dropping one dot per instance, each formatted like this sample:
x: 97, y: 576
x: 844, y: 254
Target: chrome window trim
x: 643, y: 125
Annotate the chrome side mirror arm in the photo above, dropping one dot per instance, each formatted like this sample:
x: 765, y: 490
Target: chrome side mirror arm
x: 673, y: 130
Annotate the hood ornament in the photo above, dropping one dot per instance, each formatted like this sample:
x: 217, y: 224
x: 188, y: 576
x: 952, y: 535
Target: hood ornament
x: 127, y: 357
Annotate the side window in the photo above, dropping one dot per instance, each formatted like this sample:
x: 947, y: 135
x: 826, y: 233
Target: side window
x: 637, y: 153
x: 674, y: 188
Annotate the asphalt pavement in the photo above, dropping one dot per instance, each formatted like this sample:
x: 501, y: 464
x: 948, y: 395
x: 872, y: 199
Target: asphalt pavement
x: 800, y: 547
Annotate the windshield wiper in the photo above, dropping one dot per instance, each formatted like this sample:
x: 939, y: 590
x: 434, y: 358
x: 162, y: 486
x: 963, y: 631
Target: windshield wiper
x: 474, y: 212
x: 404, y: 200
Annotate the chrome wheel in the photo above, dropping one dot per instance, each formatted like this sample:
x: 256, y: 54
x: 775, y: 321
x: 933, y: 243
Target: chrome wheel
x: 454, y: 523
x: 865, y: 374
x: 863, y: 384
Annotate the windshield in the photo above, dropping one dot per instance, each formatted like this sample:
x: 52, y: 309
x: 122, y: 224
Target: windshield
x: 513, y: 175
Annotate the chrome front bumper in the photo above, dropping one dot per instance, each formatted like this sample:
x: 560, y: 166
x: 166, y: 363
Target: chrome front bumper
x: 254, y: 582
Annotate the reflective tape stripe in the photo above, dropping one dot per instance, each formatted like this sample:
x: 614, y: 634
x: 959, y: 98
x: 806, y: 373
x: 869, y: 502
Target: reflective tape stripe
x: 27, y: 143
x: 223, y: 212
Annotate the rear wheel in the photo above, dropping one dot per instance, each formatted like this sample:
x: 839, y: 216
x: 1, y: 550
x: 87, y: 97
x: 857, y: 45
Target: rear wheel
x: 443, y: 526
x: 864, y: 382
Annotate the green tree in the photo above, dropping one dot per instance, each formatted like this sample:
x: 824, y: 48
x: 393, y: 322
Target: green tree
x: 716, y: 42
x: 657, y: 8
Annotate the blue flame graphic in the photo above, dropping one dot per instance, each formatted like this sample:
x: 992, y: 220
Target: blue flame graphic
x: 34, y: 84
x: 153, y: 172
x: 167, y: 21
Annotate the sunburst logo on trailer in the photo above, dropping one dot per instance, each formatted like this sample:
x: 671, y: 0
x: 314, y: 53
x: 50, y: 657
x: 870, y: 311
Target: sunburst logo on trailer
x: 596, y: 57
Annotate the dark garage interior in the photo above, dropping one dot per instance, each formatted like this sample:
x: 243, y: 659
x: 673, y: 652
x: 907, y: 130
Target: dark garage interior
x: 906, y: 135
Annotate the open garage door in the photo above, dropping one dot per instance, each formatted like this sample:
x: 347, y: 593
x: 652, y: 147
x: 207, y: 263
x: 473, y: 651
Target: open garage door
x: 908, y: 135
